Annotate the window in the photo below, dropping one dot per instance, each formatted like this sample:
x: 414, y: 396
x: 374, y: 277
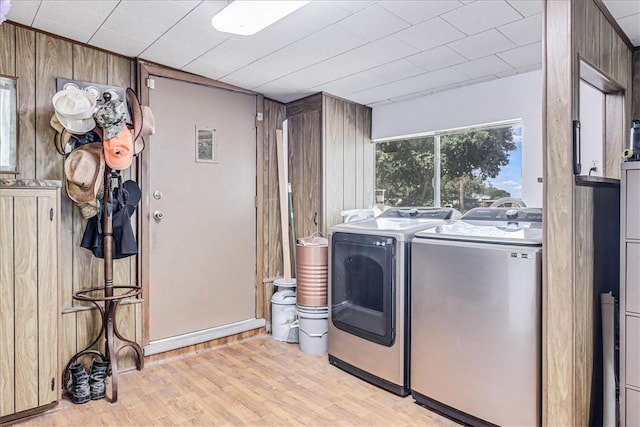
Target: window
x: 462, y: 169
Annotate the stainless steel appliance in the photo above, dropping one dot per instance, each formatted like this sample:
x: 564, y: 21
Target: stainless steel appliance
x: 476, y: 317
x: 368, y: 275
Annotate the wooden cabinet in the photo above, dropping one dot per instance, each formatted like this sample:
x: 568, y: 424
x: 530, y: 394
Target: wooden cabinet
x: 29, y: 218
x: 630, y: 294
x: 331, y: 160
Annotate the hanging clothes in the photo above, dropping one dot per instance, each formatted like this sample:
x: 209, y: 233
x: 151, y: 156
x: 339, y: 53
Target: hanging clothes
x: 122, y: 204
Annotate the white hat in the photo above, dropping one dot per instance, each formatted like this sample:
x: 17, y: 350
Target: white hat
x: 74, y: 109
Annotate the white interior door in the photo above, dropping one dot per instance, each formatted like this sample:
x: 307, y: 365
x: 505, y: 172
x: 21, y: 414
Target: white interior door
x: 202, y: 259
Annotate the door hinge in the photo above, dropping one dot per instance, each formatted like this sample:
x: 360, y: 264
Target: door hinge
x: 53, y: 384
x: 151, y: 84
x: 51, y: 214
x: 259, y: 117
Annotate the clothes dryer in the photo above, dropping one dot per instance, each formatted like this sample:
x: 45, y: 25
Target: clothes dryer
x: 369, y: 269
x: 476, y: 317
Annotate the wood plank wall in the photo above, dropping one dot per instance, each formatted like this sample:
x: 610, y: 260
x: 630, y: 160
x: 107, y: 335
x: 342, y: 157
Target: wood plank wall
x: 304, y: 117
x: 331, y: 159
x: 349, y: 159
x: 635, y: 107
x: 574, y: 30
x: 597, y: 42
x: 37, y: 59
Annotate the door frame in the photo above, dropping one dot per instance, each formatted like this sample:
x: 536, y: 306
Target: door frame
x: 147, y: 70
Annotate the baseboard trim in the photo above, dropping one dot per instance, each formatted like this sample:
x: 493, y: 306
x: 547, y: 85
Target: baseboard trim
x: 168, y: 344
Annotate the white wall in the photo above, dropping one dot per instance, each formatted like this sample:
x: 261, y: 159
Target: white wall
x: 591, y: 129
x: 514, y: 97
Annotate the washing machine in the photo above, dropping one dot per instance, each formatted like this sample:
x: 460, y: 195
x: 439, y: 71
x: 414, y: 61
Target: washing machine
x: 369, y: 269
x: 476, y: 317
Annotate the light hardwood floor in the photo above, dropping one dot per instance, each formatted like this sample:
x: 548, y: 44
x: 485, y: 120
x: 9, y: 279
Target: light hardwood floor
x: 255, y: 382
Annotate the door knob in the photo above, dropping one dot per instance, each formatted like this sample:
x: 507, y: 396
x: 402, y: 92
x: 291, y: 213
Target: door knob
x: 158, y: 215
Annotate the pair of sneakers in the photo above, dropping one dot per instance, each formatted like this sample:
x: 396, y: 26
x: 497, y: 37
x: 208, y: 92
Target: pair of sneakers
x: 83, y: 387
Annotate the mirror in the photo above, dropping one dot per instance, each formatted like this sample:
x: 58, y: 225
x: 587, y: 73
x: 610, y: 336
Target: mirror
x: 8, y: 125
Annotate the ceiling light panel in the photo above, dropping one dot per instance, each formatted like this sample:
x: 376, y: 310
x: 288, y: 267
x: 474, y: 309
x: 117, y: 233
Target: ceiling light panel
x: 246, y: 17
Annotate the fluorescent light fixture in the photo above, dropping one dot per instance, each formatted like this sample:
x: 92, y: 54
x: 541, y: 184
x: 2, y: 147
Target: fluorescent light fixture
x: 248, y: 17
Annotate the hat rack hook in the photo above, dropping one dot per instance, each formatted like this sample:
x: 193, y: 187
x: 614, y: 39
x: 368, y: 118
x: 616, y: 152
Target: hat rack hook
x: 107, y: 297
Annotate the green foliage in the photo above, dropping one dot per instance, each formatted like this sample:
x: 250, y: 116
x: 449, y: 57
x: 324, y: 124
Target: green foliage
x: 479, y: 153
x: 405, y: 168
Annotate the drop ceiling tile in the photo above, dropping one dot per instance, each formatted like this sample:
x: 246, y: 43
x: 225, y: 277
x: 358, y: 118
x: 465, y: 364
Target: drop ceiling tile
x: 172, y: 51
x: 415, y: 12
x: 314, y: 16
x: 482, y: 44
x: 622, y: 8
x: 23, y: 12
x: 77, y: 23
x: 354, y: 6
x: 527, y: 7
x: 283, y: 91
x: 434, y: 79
x: 437, y: 58
x: 310, y: 50
x: 523, y: 55
x: 521, y: 70
x: 386, y: 50
x: 396, y: 70
x: 373, y: 23
x: 524, y: 31
x: 631, y: 26
x: 409, y: 87
x: 351, y: 84
x: 145, y: 20
x: 252, y: 76
x: 479, y: 16
x: 115, y: 41
x: 332, y: 69
x: 183, y: 43
x: 218, y: 62
x: 482, y: 67
x: 430, y: 34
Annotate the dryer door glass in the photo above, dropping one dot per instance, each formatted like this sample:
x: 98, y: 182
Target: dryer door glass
x: 363, y: 286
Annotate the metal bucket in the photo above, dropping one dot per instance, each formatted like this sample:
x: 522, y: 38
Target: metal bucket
x: 311, y: 271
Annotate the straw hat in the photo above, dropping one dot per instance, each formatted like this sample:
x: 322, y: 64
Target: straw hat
x: 84, y: 169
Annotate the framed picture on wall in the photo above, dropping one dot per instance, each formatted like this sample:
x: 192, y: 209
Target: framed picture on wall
x: 8, y: 124
x: 205, y: 145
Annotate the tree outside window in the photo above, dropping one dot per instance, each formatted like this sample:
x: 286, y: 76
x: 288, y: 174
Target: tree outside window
x: 458, y: 169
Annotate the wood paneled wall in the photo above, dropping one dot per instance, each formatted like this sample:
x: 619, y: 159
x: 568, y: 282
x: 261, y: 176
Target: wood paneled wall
x: 305, y: 125
x: 635, y: 107
x: 574, y: 30
x: 331, y: 159
x: 349, y: 159
x: 37, y: 59
x: 598, y: 43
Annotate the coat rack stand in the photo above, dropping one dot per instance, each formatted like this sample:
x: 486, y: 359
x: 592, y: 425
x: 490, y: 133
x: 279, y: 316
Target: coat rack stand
x: 104, y: 298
